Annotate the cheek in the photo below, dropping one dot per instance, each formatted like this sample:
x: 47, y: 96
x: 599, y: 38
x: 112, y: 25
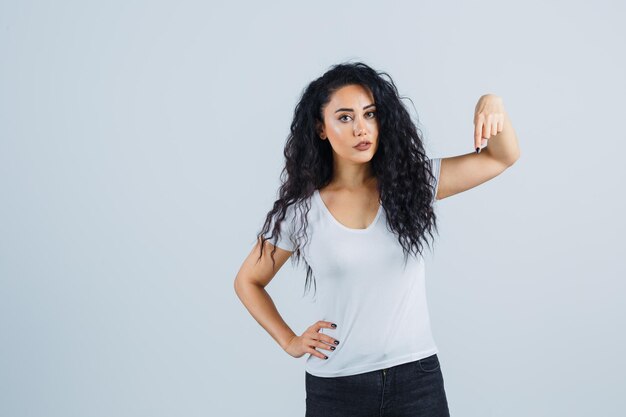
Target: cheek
x: 339, y: 129
x: 342, y: 135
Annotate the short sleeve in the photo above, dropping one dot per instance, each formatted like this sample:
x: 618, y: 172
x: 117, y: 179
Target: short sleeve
x: 286, y: 240
x: 436, y: 169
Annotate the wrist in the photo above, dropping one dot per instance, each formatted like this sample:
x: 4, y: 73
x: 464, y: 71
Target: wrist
x: 287, y: 341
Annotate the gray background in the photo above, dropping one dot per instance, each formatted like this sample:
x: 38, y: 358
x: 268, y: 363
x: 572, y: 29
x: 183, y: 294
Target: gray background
x: 140, y: 148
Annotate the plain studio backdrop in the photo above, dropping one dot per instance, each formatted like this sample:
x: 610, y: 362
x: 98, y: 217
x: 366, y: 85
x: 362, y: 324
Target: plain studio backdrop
x: 141, y: 146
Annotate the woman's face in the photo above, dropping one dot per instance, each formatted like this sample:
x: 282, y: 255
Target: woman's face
x: 350, y: 118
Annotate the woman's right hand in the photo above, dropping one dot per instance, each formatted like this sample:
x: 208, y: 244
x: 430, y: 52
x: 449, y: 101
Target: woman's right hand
x: 311, y: 339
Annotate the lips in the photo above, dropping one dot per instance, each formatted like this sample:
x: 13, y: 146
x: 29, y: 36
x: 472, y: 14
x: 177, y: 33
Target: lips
x: 363, y: 142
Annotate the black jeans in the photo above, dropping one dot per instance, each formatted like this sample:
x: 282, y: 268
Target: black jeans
x: 409, y: 389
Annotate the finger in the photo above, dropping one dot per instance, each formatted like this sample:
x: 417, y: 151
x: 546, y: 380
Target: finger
x: 482, y: 140
x: 500, y: 124
x: 487, y: 129
x: 478, y: 133
x: 323, y: 345
x: 314, y: 352
x: 329, y: 340
x: 494, y: 128
x: 326, y: 324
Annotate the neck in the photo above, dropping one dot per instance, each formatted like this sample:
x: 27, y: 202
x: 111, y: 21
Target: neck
x: 351, y: 176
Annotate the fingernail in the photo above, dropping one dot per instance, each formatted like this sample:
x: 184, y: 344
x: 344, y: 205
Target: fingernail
x: 325, y: 357
x: 333, y: 325
x: 477, y: 150
x: 336, y: 342
x: 332, y: 348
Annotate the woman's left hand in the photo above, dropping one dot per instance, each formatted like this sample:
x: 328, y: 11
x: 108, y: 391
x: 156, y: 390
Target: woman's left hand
x: 489, y: 117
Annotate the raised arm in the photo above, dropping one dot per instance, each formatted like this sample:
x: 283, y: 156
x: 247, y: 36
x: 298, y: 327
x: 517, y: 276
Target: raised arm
x: 463, y: 172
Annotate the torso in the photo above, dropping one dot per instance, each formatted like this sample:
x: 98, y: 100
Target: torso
x: 354, y: 209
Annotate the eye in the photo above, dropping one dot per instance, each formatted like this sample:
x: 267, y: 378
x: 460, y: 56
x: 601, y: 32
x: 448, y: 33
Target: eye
x: 373, y: 114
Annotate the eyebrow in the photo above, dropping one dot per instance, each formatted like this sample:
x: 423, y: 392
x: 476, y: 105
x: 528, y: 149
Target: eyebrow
x: 346, y: 109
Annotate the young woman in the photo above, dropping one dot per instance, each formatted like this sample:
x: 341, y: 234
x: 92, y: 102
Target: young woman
x: 356, y: 202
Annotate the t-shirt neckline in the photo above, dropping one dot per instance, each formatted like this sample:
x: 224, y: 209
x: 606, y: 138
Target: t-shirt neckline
x: 341, y: 225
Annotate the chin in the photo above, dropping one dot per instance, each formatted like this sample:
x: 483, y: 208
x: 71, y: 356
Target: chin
x: 366, y: 157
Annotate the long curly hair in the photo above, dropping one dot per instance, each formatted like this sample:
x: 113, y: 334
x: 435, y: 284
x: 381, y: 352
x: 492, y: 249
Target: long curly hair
x: 404, y: 176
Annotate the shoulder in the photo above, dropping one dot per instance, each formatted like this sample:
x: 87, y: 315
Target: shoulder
x: 294, y: 215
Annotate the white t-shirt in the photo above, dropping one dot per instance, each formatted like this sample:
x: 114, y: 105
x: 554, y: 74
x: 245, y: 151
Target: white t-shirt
x: 363, y: 286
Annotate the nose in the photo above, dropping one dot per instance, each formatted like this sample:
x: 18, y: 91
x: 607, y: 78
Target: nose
x: 359, y: 127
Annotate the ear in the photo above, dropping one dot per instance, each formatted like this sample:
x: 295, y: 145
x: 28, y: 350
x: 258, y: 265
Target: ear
x: 319, y: 128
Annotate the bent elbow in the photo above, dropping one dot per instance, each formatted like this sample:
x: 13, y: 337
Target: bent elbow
x: 513, y: 160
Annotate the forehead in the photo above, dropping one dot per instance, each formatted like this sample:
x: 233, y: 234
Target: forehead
x: 353, y: 93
